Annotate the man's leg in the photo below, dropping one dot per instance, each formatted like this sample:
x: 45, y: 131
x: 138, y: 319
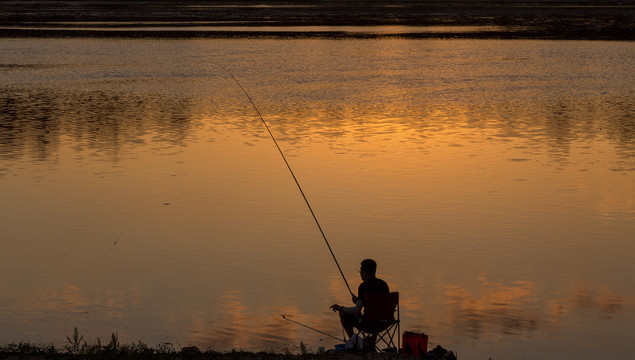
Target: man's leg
x: 347, y: 323
x: 369, y: 343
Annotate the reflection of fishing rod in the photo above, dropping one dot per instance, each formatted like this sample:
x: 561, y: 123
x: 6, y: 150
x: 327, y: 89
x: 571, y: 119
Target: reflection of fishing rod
x: 308, y: 327
x: 292, y: 174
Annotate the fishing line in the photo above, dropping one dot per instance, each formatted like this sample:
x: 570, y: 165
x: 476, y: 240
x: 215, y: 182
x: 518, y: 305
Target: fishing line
x: 115, y: 243
x: 292, y: 174
x: 308, y: 327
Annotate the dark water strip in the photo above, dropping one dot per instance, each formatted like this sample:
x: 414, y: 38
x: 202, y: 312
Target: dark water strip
x: 566, y: 19
x: 545, y: 34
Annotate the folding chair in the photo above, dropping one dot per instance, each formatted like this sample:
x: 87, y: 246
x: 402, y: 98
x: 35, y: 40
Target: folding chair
x: 380, y: 326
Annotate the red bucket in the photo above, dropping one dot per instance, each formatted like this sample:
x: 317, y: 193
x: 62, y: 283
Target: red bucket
x: 414, y: 344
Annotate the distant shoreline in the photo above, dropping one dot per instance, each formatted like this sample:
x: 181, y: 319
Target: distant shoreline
x: 175, y: 34
x: 547, y: 19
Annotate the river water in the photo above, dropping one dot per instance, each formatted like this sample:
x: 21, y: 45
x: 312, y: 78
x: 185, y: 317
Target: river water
x: 493, y: 181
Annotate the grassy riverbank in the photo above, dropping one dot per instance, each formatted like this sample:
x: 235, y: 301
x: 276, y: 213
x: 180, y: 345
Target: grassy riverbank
x: 142, y: 351
x: 76, y: 347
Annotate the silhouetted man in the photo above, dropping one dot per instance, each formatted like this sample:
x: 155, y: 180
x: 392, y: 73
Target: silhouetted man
x: 351, y: 317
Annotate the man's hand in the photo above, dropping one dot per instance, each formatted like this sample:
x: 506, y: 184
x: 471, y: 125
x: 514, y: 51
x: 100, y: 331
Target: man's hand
x: 336, y: 307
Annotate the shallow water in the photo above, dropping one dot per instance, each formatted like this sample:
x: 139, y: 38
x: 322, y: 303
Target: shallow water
x: 493, y: 181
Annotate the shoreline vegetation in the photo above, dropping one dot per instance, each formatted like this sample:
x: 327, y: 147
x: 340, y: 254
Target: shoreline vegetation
x: 76, y: 347
x: 502, y: 19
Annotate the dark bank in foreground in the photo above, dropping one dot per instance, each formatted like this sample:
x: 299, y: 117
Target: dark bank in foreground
x: 507, y: 19
x: 77, y: 348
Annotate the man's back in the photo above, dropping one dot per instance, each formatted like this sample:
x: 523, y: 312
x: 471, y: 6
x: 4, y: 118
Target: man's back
x: 372, y: 285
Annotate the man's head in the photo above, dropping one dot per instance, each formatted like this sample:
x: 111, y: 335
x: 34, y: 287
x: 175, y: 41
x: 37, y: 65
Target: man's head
x: 368, y: 268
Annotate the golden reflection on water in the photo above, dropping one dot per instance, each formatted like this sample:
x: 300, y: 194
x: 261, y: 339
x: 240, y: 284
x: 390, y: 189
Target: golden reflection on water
x: 498, y: 306
x: 159, y: 208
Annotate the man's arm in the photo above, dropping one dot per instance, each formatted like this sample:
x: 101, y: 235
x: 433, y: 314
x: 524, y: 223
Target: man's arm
x: 352, y: 309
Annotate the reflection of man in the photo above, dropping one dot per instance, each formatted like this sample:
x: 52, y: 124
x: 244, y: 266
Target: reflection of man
x: 351, y: 317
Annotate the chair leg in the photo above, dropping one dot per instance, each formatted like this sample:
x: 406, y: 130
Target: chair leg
x: 388, y: 339
x: 376, y: 341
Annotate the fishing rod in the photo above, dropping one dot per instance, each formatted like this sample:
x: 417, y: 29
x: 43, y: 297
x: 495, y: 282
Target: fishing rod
x: 308, y: 327
x: 292, y: 174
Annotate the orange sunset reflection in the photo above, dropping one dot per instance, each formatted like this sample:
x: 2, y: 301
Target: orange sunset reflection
x: 519, y: 309
x: 497, y: 305
x: 141, y: 193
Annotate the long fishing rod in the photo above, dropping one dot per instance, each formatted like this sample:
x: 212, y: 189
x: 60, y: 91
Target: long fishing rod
x: 292, y: 174
x: 308, y: 327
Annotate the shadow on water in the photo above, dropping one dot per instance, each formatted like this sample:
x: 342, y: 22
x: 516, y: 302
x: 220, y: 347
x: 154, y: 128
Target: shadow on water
x: 36, y: 120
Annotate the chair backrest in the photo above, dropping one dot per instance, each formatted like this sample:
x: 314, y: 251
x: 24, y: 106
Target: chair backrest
x: 381, y: 307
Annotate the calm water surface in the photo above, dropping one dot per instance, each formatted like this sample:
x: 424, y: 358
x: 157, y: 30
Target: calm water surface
x: 493, y: 181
